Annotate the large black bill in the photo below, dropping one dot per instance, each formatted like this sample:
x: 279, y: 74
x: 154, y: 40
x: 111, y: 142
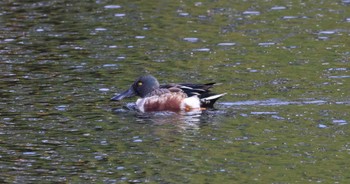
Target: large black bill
x: 128, y: 93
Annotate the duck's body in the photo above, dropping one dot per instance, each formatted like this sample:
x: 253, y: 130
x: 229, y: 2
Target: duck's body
x: 169, y: 97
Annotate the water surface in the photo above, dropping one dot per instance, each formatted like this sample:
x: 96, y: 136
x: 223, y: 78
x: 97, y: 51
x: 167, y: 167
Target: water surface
x: 284, y: 66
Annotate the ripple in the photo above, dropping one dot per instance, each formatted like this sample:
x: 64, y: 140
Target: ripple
x: 322, y: 126
x: 266, y: 44
x: 201, y: 50
x: 198, y: 3
x: 101, y: 157
x: 103, y: 89
x: 112, y: 6
x: 346, y: 1
x: 263, y: 113
x: 227, y: 44
x: 53, y: 142
x: 119, y: 15
x: 191, y: 39
x: 323, y: 38
x: 30, y: 153
x: 184, y: 14
x: 110, y: 65
x: 337, y: 69
x: 339, y: 122
x: 278, y: 8
x: 120, y: 168
x: 292, y: 47
x: 289, y: 17
x: 121, y: 57
x: 100, y: 29
x: 9, y: 40
x: 277, y: 117
x: 203, y: 17
x: 314, y: 102
x: 251, y: 13
x: 339, y: 76
x: 272, y: 102
x: 342, y: 103
x: 137, y: 140
x: 140, y: 37
x: 62, y: 107
x: 241, y: 138
x: 327, y: 32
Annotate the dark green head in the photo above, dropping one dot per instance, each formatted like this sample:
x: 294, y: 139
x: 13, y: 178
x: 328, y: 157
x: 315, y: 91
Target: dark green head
x: 141, y: 87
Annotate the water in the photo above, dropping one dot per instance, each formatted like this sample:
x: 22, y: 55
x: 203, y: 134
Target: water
x: 285, y: 67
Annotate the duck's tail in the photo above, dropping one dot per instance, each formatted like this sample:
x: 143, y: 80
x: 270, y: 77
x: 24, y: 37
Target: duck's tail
x: 208, y: 101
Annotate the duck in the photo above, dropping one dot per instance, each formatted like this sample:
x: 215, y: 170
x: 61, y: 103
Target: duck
x: 183, y: 97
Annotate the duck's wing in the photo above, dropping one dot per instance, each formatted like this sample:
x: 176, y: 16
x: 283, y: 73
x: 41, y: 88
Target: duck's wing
x: 191, y: 89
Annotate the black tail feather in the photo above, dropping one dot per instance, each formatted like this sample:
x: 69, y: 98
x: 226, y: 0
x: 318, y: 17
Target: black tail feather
x: 209, y: 101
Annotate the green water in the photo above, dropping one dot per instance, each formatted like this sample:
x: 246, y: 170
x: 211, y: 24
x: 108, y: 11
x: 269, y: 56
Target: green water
x: 283, y: 64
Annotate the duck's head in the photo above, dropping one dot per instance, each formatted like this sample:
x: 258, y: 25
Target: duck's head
x: 141, y: 87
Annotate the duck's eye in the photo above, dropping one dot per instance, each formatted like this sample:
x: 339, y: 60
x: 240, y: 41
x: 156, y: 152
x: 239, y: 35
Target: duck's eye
x: 139, y: 83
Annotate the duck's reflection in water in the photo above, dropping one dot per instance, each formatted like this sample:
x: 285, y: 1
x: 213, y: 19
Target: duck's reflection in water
x: 184, y: 121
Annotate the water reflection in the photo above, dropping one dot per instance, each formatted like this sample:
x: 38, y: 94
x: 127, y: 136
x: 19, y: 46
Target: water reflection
x: 193, y: 121
x: 182, y: 120
x: 273, y: 102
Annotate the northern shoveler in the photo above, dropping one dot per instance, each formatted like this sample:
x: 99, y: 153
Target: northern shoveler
x: 169, y: 97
